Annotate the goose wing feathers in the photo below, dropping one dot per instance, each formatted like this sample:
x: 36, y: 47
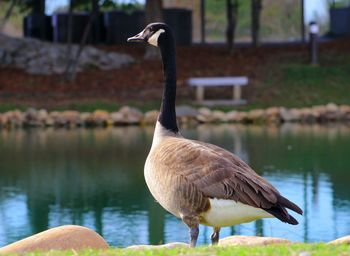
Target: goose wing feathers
x: 217, y: 173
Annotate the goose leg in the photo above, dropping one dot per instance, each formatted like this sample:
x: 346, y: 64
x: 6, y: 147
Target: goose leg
x: 192, y: 222
x: 215, y: 236
x: 194, y: 236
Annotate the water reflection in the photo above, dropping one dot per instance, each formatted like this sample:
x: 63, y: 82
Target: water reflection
x: 94, y: 177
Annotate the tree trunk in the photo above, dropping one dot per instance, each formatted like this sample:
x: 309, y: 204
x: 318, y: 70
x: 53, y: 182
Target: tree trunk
x: 38, y: 7
x: 73, y: 63
x: 69, y: 41
x: 96, y: 34
x: 256, y: 10
x: 154, y: 13
x: 302, y: 20
x: 7, y: 15
x: 202, y: 21
x: 232, y: 12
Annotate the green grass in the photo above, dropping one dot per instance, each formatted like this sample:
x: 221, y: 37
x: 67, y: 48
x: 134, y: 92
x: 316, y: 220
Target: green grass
x: 295, y: 249
x: 110, y: 106
x: 298, y: 84
x: 10, y: 106
x: 87, y: 106
x: 90, y: 106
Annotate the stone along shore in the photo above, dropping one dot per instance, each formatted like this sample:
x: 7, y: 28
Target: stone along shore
x: 75, y: 238
x: 186, y: 114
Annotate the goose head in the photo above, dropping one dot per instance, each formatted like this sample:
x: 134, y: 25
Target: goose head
x: 156, y: 34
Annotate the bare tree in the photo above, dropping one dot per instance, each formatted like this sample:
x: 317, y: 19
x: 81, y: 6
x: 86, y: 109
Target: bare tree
x: 72, y: 64
x: 154, y: 13
x: 96, y: 23
x: 232, y: 15
x: 39, y: 9
x: 69, y: 40
x: 256, y: 7
x: 7, y: 15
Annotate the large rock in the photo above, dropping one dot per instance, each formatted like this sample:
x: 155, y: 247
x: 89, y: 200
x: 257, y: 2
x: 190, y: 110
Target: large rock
x: 100, y: 117
x: 344, y: 112
x: 252, y: 240
x: 86, y: 118
x: 342, y: 240
x: 55, y: 118
x: 204, y: 115
x: 308, y: 115
x: 3, y: 120
x: 331, y: 107
x: 42, y: 115
x: 150, y: 117
x: 231, y: 116
x: 289, y: 115
x: 256, y: 115
x: 68, y: 237
x: 71, y: 118
x: 273, y: 115
x: 13, y: 118
x: 130, y: 115
x: 31, y: 118
x: 169, y: 246
x: 219, y: 116
x: 38, y: 57
x: 241, y: 117
x: 186, y: 113
x: 117, y: 117
x: 319, y: 110
x: 333, y: 112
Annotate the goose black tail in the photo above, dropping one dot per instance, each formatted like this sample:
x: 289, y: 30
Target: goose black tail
x: 279, y: 211
x: 284, y: 202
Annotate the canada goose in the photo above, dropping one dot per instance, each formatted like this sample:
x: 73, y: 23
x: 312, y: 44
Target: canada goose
x: 199, y: 182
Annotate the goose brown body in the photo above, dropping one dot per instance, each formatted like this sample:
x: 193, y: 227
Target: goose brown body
x: 185, y: 175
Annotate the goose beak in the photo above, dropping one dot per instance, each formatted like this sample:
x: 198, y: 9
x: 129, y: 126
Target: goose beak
x: 137, y: 38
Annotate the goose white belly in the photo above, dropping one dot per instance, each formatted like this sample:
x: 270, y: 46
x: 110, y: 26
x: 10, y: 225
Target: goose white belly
x: 223, y: 213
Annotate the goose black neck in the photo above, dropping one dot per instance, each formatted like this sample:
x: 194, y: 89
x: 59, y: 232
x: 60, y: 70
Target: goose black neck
x: 167, y: 116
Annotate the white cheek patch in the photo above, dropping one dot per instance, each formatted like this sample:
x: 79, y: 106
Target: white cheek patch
x: 153, y: 40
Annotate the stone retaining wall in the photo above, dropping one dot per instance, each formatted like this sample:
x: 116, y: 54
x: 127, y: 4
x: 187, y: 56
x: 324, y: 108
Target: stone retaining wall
x: 186, y: 114
x: 43, y: 58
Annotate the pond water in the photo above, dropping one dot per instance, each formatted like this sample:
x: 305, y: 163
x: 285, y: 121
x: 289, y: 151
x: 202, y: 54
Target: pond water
x: 94, y: 177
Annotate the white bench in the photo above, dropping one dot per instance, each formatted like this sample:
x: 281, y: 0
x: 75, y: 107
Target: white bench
x: 204, y: 82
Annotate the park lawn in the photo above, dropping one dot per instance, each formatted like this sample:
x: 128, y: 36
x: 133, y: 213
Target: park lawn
x: 89, y: 106
x: 298, y: 84
x: 318, y: 249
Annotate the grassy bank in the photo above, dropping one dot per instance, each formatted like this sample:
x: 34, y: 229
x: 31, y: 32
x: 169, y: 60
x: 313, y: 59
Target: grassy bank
x: 279, y: 76
x: 295, y: 249
x: 289, y: 84
x: 297, y: 84
x: 89, y: 106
